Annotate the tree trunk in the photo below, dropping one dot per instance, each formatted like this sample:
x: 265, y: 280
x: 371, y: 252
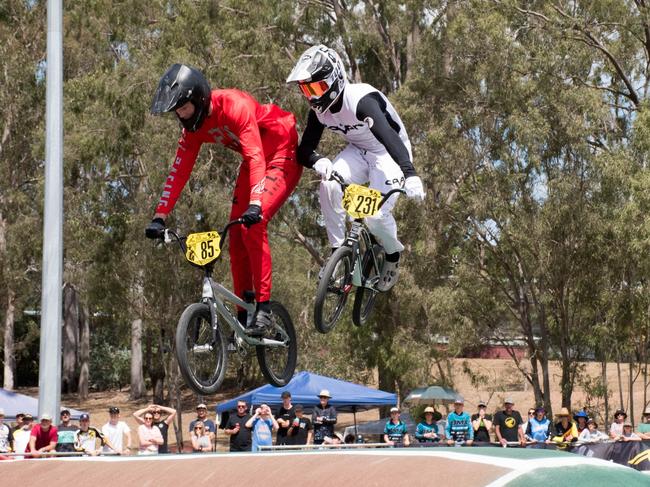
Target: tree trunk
x: 630, y: 410
x: 137, y: 378
x: 620, y: 380
x: 84, y: 354
x: 606, y: 391
x: 70, y: 338
x: 9, y: 356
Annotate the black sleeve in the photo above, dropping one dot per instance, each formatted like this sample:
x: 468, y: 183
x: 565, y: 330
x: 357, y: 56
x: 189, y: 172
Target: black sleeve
x: 306, y: 153
x: 386, y: 130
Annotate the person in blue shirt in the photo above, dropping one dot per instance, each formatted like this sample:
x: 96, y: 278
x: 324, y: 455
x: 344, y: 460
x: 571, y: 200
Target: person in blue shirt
x: 539, y: 429
x: 459, y: 425
x: 427, y: 431
x: 262, y: 425
x: 395, y: 431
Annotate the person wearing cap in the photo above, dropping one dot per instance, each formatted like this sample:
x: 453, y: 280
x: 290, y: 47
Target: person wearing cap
x: 159, y: 422
x: 507, y: 424
x: 427, y: 431
x: 539, y: 428
x: 262, y: 424
x: 240, y: 436
x: 459, y: 425
x: 628, y: 433
x: 323, y: 417
x: 6, y: 435
x: 43, y: 437
x: 66, y: 431
x: 565, y: 429
x: 22, y: 433
x: 644, y: 428
x: 89, y: 439
x: 301, y: 430
x: 482, y: 423
x: 395, y: 432
x: 581, y: 418
x: 616, y: 428
x: 115, y: 430
x: 591, y: 434
x: 286, y: 415
x: 208, y: 424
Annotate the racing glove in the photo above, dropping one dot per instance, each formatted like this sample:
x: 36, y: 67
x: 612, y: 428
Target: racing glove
x: 414, y: 188
x: 252, y: 215
x: 155, y: 229
x: 323, y: 166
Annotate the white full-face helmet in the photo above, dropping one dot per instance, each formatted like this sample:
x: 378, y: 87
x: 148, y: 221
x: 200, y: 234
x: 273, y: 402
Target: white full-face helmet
x: 320, y: 75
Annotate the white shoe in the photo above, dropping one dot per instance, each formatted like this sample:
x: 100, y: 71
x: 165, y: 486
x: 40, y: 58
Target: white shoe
x: 389, y: 276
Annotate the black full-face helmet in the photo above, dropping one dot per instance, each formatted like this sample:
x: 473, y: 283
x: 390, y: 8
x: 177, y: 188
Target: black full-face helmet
x: 320, y: 75
x: 181, y: 84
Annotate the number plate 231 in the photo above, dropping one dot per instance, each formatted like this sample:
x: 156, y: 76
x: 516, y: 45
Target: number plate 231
x: 360, y: 201
x: 202, y: 248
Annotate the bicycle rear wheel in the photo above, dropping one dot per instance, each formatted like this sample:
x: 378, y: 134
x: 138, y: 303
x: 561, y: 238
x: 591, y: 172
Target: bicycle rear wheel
x: 364, y: 298
x: 200, y: 350
x: 279, y: 363
x: 333, y: 289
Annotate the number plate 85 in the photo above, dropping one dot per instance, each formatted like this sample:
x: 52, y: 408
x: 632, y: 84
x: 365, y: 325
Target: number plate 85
x: 360, y: 201
x: 202, y: 248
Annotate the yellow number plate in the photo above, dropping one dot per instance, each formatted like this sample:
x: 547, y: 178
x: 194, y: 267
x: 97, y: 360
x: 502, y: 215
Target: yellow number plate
x: 360, y: 201
x: 202, y: 248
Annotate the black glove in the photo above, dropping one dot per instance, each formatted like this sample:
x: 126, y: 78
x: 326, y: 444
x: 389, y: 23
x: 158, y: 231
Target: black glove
x: 155, y: 229
x: 252, y: 215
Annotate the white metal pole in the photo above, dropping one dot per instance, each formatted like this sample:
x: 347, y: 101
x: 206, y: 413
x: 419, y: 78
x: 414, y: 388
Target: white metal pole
x: 49, y: 370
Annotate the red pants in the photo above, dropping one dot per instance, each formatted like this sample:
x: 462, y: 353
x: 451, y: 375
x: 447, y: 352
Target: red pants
x: 250, y: 254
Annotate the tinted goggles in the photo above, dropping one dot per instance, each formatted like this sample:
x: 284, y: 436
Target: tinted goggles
x: 315, y: 89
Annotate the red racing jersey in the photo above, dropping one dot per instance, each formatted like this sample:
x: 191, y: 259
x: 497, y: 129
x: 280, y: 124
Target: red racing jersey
x: 240, y: 123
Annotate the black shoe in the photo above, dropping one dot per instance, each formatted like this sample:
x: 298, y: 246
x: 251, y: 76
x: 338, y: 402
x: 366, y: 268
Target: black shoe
x: 262, y: 322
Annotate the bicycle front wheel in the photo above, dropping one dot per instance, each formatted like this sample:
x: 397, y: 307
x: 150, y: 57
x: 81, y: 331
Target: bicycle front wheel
x: 364, y: 297
x: 333, y: 289
x: 279, y: 363
x: 200, y: 350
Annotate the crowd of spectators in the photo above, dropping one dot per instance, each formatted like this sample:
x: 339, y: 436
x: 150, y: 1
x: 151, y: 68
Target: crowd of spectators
x: 249, y: 432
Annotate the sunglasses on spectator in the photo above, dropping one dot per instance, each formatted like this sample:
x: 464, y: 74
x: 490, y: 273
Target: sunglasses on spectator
x: 241, y: 407
x: 148, y: 417
x: 198, y: 428
x: 156, y: 412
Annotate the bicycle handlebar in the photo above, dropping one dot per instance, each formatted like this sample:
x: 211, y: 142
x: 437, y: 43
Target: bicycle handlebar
x: 339, y: 179
x: 170, y: 236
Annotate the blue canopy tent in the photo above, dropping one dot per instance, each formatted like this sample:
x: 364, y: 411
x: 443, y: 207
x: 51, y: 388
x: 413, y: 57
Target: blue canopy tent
x: 304, y: 389
x: 14, y: 403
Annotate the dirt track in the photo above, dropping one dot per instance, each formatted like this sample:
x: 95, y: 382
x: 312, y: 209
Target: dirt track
x: 251, y: 470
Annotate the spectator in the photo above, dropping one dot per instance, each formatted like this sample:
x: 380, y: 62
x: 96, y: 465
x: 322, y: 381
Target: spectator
x: 524, y: 424
x: 201, y: 441
x: 240, y: 436
x: 591, y: 433
x: 427, y: 431
x: 22, y: 434
x: 616, y: 429
x: 202, y: 415
x: 86, y: 437
x: 6, y: 434
x: 67, y: 432
x: 581, y: 418
x: 565, y: 430
x: 19, y: 421
x: 115, y: 431
x: 336, y: 439
x: 628, y: 433
x: 262, y: 424
x: 323, y: 417
x: 301, y: 430
x: 286, y: 415
x: 644, y: 427
x: 507, y: 424
x: 158, y: 421
x: 395, y: 432
x: 459, y: 425
x: 482, y: 423
x: 539, y: 428
x: 149, y: 436
x: 43, y: 437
